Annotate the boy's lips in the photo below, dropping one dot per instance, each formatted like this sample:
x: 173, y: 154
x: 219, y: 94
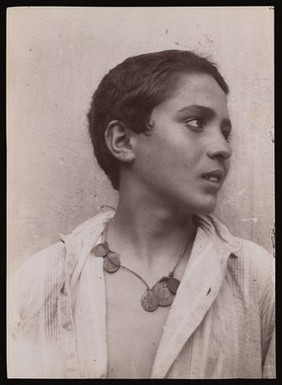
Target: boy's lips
x: 214, y: 176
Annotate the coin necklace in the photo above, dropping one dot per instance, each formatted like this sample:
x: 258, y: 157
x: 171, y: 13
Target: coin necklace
x: 161, y: 294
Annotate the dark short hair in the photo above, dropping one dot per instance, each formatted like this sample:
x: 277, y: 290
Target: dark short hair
x: 132, y: 89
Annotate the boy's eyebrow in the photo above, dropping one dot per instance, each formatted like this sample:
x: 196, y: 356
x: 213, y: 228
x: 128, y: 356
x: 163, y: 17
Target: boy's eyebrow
x: 195, y: 108
x: 206, y: 112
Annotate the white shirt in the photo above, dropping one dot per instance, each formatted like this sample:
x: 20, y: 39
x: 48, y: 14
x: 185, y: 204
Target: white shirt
x: 220, y: 325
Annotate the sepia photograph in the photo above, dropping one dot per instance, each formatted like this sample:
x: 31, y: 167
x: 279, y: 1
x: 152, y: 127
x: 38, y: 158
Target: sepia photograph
x: 140, y: 197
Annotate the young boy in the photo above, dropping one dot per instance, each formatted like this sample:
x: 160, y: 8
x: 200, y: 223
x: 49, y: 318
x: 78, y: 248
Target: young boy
x: 158, y: 288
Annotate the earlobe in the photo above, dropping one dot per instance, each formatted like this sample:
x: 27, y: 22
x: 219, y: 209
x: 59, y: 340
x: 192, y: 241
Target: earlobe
x: 119, y: 141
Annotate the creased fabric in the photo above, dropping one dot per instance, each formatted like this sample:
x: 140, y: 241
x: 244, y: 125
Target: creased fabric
x: 220, y: 325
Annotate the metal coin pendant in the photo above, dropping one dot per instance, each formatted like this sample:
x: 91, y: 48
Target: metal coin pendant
x: 149, y: 300
x: 111, y: 262
x: 173, y: 284
x: 101, y: 249
x: 164, y: 295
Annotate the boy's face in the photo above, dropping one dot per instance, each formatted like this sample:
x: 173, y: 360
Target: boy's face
x: 185, y: 159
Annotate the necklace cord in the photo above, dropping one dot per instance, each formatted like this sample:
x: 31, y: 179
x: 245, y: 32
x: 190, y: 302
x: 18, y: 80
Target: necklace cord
x: 162, y: 292
x: 171, y: 274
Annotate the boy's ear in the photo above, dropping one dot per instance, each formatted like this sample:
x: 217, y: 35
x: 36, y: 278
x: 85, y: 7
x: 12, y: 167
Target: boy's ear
x: 120, y: 141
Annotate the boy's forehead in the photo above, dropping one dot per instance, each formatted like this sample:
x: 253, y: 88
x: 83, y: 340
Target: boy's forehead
x: 196, y: 84
x: 196, y: 89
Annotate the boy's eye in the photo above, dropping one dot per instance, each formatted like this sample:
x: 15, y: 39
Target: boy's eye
x: 227, y: 134
x: 195, y: 122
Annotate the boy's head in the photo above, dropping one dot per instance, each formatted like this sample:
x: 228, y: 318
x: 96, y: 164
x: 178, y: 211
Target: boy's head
x: 132, y: 89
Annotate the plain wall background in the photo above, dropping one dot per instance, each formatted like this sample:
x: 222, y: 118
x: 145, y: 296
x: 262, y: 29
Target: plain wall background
x: 56, y: 58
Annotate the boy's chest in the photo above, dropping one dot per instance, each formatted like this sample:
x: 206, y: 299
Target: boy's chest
x: 133, y: 334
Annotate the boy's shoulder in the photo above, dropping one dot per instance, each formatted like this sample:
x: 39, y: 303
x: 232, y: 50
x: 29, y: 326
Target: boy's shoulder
x: 252, y: 256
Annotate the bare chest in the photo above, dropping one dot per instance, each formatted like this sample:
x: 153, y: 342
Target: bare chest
x: 133, y: 335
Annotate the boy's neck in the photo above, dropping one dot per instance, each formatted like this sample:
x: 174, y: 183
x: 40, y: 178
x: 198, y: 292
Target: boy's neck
x: 150, y: 232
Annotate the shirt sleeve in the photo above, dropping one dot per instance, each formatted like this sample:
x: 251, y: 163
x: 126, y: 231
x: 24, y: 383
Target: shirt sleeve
x: 26, y: 298
x: 17, y: 353
x: 269, y: 367
x: 267, y: 311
